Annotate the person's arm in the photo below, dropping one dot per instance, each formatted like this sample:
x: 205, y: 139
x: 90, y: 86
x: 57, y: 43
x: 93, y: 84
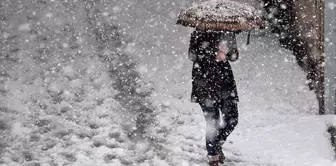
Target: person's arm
x: 233, y: 53
x: 193, y: 47
x: 227, y: 48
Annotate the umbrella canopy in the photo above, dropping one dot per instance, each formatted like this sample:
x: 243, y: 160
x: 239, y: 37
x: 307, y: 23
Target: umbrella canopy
x: 221, y: 15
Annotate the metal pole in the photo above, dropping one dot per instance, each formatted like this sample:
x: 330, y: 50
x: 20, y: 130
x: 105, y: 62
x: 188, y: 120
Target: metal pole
x: 330, y: 55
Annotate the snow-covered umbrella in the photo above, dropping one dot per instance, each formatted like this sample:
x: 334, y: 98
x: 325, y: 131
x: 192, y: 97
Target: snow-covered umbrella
x: 221, y: 15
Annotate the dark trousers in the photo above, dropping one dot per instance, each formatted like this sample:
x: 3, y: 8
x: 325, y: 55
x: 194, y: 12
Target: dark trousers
x: 218, y: 128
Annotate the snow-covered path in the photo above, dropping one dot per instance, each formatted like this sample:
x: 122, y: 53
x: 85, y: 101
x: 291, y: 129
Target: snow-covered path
x: 277, y: 124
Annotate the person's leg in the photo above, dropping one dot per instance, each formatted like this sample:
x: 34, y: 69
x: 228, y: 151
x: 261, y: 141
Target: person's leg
x: 229, y: 111
x: 211, y: 114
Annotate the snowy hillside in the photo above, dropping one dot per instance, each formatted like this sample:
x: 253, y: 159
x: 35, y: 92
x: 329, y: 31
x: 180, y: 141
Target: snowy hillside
x: 108, y: 83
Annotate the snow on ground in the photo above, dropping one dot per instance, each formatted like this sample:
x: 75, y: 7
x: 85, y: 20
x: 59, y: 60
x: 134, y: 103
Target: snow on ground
x: 61, y: 111
x: 61, y: 82
x: 278, y: 124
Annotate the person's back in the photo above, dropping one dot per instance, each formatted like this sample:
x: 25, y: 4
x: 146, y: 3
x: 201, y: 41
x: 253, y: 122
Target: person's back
x: 214, y: 87
x: 212, y: 73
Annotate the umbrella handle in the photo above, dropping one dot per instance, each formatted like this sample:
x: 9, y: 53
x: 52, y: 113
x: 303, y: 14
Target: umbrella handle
x: 248, y: 38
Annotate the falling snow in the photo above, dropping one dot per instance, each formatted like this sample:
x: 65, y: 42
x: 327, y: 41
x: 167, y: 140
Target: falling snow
x: 108, y: 82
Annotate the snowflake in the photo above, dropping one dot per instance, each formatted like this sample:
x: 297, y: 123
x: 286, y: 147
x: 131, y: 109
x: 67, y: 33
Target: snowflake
x: 49, y: 15
x: 331, y: 5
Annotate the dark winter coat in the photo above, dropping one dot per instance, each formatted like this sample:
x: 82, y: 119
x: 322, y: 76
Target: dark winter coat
x: 212, y: 80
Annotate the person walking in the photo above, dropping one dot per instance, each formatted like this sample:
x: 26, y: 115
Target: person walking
x: 214, y: 87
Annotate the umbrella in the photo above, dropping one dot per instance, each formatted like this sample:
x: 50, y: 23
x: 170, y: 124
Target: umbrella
x: 221, y: 15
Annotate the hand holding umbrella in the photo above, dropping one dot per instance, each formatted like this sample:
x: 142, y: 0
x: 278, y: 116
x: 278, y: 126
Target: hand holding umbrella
x: 222, y: 50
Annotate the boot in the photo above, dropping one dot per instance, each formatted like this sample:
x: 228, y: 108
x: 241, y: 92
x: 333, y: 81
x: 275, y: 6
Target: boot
x: 220, y: 152
x: 221, y: 157
x: 213, y: 160
x: 214, y: 163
